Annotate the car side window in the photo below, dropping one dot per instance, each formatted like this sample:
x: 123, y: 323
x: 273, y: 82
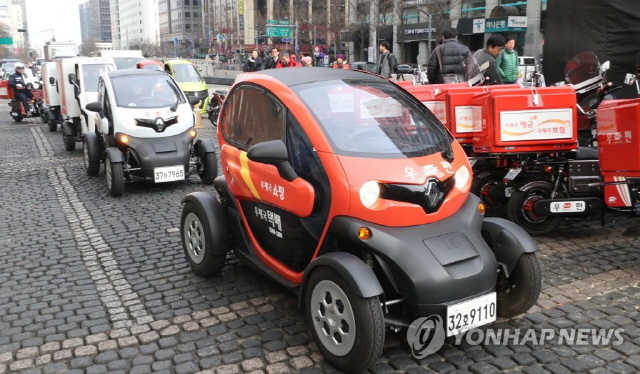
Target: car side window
x: 107, y: 106
x: 252, y: 116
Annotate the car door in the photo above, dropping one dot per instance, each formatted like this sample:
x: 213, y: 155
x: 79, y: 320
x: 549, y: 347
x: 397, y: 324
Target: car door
x: 282, y: 216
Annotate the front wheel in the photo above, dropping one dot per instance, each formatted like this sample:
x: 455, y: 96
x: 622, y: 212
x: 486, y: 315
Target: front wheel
x: 520, y: 211
x: 197, y: 241
x: 348, y: 329
x: 69, y: 142
x: 208, y: 168
x: 520, y: 291
x: 115, y: 177
x: 93, y: 167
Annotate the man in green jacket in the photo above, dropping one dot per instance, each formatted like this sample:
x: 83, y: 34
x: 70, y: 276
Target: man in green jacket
x: 508, y: 62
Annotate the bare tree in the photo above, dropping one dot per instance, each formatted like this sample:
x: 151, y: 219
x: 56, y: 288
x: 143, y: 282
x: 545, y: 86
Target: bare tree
x: 88, y: 46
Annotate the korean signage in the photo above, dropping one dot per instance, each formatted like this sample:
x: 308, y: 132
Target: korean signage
x: 277, y: 22
x: 503, y: 24
x: 464, y: 119
x: 241, y: 17
x: 415, y: 31
x: 536, y: 125
x: 478, y: 25
x: 278, y: 32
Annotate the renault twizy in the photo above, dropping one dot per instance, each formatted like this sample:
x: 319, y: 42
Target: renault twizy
x: 145, y: 131
x: 344, y: 188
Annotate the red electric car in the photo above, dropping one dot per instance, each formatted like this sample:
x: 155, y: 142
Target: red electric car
x: 344, y: 188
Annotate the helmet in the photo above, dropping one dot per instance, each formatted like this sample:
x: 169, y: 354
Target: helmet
x: 19, y: 65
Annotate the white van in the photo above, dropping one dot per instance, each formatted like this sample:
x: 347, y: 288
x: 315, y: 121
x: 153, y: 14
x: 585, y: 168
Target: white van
x: 124, y: 58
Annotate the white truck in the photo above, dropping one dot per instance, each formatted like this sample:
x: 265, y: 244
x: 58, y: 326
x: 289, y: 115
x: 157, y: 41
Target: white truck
x: 56, y: 50
x: 124, y: 58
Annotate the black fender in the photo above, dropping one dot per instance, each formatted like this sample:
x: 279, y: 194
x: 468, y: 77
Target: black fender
x: 68, y: 129
x: 508, y: 242
x: 93, y: 144
x: 114, y: 155
x: 358, y: 275
x: 204, y: 146
x: 527, y: 185
x: 217, y: 219
x: 222, y: 187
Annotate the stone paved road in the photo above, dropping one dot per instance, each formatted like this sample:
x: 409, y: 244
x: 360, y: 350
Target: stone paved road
x: 93, y: 284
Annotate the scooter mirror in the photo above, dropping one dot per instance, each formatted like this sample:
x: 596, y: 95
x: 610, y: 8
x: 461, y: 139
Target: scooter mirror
x: 605, y: 66
x: 630, y: 78
x: 95, y: 106
x: 72, y: 78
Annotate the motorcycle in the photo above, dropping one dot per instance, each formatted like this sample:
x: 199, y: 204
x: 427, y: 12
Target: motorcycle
x: 217, y: 98
x: 17, y: 110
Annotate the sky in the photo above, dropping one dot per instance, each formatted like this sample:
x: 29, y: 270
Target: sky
x: 59, y: 15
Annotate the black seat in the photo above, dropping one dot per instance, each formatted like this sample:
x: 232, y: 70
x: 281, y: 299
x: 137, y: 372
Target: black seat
x: 221, y: 92
x: 586, y: 153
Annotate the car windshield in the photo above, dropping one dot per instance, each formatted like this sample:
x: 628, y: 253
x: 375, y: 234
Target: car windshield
x: 146, y: 91
x: 186, y: 73
x: 9, y: 66
x: 373, y: 119
x: 126, y: 62
x: 91, y: 75
x: 152, y: 67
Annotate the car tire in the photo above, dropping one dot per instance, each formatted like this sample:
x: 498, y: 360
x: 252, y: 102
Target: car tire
x: 17, y: 118
x: 93, y: 167
x: 53, y: 125
x: 208, y: 169
x: 329, y: 293
x: 115, y: 177
x: 518, y: 293
x: 481, y: 186
x: 519, y: 211
x: 69, y: 142
x: 197, y: 241
x: 43, y: 115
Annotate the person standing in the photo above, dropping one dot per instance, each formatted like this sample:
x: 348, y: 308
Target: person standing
x: 254, y: 63
x: 287, y: 61
x: 508, y: 62
x: 387, y: 63
x: 340, y: 63
x: 447, y: 59
x: 272, y: 60
x: 307, y: 62
x: 495, y: 45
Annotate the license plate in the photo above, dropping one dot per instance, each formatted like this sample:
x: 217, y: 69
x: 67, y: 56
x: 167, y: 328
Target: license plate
x: 512, y: 174
x: 168, y: 174
x: 567, y: 207
x: 471, y: 314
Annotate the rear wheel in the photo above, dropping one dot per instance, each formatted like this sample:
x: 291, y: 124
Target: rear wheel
x: 208, y: 168
x: 520, y: 291
x: 197, y: 241
x: 489, y: 188
x: 115, y: 177
x: 520, y: 211
x: 93, y: 167
x: 348, y: 329
x: 53, y: 125
x: 43, y: 114
x: 69, y: 142
x: 17, y: 118
x: 213, y: 115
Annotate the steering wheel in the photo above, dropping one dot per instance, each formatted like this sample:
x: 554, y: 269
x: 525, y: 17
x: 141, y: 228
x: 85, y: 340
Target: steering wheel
x: 359, y: 135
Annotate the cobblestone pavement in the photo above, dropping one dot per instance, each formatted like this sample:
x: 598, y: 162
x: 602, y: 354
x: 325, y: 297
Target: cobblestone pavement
x: 94, y: 284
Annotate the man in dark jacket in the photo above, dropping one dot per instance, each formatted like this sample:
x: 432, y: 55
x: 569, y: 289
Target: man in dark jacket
x: 254, y: 63
x: 495, y: 45
x: 17, y: 82
x: 271, y: 61
x: 387, y: 63
x: 447, y: 58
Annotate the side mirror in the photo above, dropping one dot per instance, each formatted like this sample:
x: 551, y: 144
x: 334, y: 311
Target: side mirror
x: 95, y: 106
x: 273, y: 152
x: 193, y: 100
x: 484, y: 66
x: 52, y: 81
x: 629, y: 79
x: 605, y: 66
x: 72, y: 78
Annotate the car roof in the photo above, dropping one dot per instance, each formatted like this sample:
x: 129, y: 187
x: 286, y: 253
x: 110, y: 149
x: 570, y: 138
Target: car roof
x: 296, y: 76
x: 125, y: 72
x: 178, y: 61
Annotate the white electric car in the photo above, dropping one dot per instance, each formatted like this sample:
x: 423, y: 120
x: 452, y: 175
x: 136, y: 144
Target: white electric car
x: 145, y: 131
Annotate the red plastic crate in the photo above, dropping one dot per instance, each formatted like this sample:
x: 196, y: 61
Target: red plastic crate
x: 405, y: 84
x: 5, y: 91
x: 426, y: 93
x: 618, y: 124
x: 525, y: 120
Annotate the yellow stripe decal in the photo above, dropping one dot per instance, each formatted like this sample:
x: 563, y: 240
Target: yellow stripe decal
x: 244, y: 171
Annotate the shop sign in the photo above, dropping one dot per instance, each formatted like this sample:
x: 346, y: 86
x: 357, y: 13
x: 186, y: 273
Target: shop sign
x: 415, y: 31
x: 501, y: 24
x: 478, y: 25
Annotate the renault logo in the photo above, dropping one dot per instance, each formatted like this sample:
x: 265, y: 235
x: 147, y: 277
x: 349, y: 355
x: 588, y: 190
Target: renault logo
x: 160, y: 124
x: 432, y: 193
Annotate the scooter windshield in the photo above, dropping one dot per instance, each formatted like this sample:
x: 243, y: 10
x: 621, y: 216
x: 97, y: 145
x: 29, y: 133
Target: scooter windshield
x: 582, y: 67
x: 373, y: 119
x: 151, y: 91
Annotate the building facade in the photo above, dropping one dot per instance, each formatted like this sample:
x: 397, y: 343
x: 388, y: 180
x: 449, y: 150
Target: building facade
x: 182, y: 26
x: 23, y: 15
x: 85, y: 22
x: 114, y: 10
x: 95, y: 20
x: 138, y: 21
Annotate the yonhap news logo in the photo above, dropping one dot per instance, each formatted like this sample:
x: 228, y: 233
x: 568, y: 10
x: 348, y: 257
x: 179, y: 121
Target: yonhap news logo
x: 426, y: 336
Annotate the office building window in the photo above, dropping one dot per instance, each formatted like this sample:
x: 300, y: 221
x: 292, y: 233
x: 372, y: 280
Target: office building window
x: 473, y: 8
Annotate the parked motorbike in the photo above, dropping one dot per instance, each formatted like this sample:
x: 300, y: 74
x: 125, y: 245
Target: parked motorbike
x: 17, y: 110
x: 217, y: 98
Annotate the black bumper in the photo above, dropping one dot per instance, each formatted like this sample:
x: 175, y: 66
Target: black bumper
x: 150, y: 153
x: 431, y: 265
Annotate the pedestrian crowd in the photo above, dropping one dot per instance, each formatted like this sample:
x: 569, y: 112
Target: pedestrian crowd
x: 449, y: 61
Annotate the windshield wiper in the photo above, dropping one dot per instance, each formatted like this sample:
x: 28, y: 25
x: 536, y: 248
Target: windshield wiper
x: 175, y: 91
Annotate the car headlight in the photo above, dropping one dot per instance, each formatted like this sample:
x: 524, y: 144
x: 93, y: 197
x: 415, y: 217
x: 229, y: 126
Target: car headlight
x: 462, y: 177
x: 370, y: 193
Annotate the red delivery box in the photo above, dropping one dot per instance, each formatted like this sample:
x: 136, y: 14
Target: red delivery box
x: 405, y: 84
x: 5, y: 91
x: 618, y: 124
x: 427, y: 93
x: 454, y: 109
x: 525, y: 120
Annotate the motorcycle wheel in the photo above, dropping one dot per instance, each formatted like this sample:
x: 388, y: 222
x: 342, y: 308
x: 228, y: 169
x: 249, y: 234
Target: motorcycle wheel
x: 213, y: 116
x: 53, y: 125
x: 17, y: 118
x: 520, y: 211
x: 481, y: 187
